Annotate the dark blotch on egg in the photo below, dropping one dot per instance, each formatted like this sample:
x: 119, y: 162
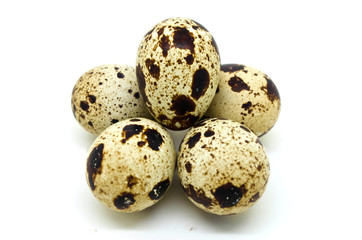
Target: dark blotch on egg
x: 181, y: 104
x: 185, y: 121
x: 94, y: 164
x: 232, y: 67
x: 270, y: 89
x: 199, y: 25
x: 183, y: 39
x: 92, y: 98
x: 142, y: 83
x: 154, y: 139
x: 131, y: 181
x: 188, y: 167
x: 247, y: 105
x: 153, y: 69
x: 165, y: 45
x: 197, y: 195
x: 255, y: 197
x: 159, y: 190
x: 200, y: 83
x: 84, y: 105
x: 209, y: 133
x: 120, y: 75
x: 130, y: 130
x: 193, y: 140
x: 124, y: 200
x: 189, y: 59
x: 237, y: 84
x: 229, y: 195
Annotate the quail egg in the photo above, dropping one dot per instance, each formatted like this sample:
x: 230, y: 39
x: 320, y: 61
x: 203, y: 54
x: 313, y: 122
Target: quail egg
x: 105, y: 95
x: 178, y: 70
x: 248, y: 96
x: 131, y: 164
x: 222, y: 166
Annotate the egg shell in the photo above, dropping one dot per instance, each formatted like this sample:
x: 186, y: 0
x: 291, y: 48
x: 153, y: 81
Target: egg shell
x: 131, y: 164
x: 248, y: 96
x: 222, y: 166
x: 105, y: 95
x: 178, y: 70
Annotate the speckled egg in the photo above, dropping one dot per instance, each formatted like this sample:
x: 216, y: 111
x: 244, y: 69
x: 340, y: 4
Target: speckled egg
x: 131, y: 164
x: 222, y: 166
x: 248, y: 96
x: 105, y: 95
x: 178, y: 70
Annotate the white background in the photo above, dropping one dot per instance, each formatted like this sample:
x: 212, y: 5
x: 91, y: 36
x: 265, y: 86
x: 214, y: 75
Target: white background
x: 310, y: 49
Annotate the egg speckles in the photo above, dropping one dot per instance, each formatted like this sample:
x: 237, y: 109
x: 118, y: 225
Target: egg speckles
x: 178, y: 70
x: 105, y: 95
x: 131, y: 164
x: 248, y: 96
x: 222, y: 166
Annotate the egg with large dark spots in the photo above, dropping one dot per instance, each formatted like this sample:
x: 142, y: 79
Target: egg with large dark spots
x: 105, y: 95
x: 222, y: 166
x: 248, y: 96
x: 178, y: 68
x: 131, y: 164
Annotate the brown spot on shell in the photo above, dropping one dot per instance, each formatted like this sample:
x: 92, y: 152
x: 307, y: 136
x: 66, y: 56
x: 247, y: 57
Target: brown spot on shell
x: 131, y: 181
x: 183, y: 122
x: 197, y: 195
x: 160, y: 31
x: 94, y: 164
x: 232, y: 67
x: 159, y: 190
x: 255, y: 197
x: 193, y: 140
x: 142, y: 83
x: 120, y: 75
x: 154, y: 139
x: 247, y: 105
x: 209, y: 133
x: 124, y: 200
x: 141, y: 143
x: 270, y: 89
x: 130, y: 130
x: 153, y: 69
x: 84, y: 105
x: 259, y: 168
x: 183, y: 39
x: 188, y: 167
x: 198, y: 25
x: 74, y: 109
x: 181, y: 104
x: 162, y: 117
x: 229, y: 195
x: 136, y: 95
x: 189, y: 59
x: 200, y: 83
x: 237, y: 84
x: 92, y: 98
x: 149, y: 32
x: 165, y: 45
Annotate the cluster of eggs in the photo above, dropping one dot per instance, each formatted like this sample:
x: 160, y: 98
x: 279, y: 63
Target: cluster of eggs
x: 177, y: 83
